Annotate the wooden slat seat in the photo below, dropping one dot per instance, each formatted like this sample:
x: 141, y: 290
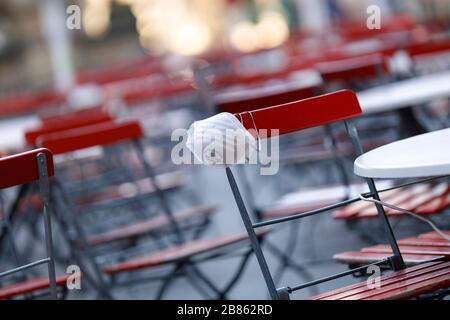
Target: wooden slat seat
x: 361, y: 258
x: 166, y: 182
x: 258, y: 98
x: 417, y: 241
x: 26, y: 103
x: 176, y: 253
x: 404, y: 284
x: 433, y: 235
x: 422, y: 199
x: 66, y: 122
x: 414, y: 250
x: 313, y: 198
x: 428, y: 250
x: 153, y: 224
x: 21, y: 288
x: 317, y: 152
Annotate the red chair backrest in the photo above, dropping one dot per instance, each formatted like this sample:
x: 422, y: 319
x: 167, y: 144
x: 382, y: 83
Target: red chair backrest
x: 303, y: 114
x: 357, y: 30
x: 62, y: 115
x: 259, y: 77
x: 166, y: 89
x: 22, y: 168
x: 433, y: 47
x: 28, y: 103
x: 362, y: 67
x: 66, y: 122
x: 129, y: 70
x: 91, y: 136
x: 248, y: 103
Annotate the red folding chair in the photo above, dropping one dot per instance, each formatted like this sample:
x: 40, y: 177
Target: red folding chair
x: 319, y: 149
x: 353, y: 71
x: 185, y: 246
x: 263, y: 98
x: 21, y: 169
x: 63, y: 114
x: 29, y: 103
x: 321, y: 111
x: 66, y: 122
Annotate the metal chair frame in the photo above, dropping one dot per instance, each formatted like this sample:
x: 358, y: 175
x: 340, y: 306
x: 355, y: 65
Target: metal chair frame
x: 43, y: 160
x: 313, y: 117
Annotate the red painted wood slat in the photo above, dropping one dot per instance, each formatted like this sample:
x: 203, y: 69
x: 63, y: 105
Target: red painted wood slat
x: 22, y: 168
x: 393, y: 275
x: 361, y: 258
x: 354, y: 209
x: 416, y: 241
x: 243, y: 104
x: 303, y: 114
x: 177, y: 253
x: 17, y: 289
x: 90, y: 136
x: 428, y: 250
x: 409, y: 288
x: 66, y: 123
x: 433, y: 235
x: 152, y: 224
x: 351, y: 69
x: 393, y: 281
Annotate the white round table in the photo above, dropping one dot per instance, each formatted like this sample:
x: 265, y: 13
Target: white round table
x: 424, y: 155
x: 12, y: 131
x: 405, y: 93
x: 296, y: 81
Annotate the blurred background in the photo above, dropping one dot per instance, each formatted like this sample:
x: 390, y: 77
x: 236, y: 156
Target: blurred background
x: 113, y: 31
x: 167, y: 63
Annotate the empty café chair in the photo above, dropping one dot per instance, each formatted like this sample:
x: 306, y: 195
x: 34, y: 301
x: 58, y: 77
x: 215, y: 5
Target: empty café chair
x: 151, y: 234
x: 21, y: 170
x: 319, y: 111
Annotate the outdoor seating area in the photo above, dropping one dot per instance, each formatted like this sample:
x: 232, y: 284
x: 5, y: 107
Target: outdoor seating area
x: 241, y: 150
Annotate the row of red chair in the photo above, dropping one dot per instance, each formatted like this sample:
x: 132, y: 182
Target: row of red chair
x: 322, y: 110
x: 313, y: 112
x: 80, y: 130
x: 118, y: 167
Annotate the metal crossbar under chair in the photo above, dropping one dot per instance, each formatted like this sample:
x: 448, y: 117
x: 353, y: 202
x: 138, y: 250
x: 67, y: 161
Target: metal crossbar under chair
x: 21, y: 169
x: 322, y: 110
